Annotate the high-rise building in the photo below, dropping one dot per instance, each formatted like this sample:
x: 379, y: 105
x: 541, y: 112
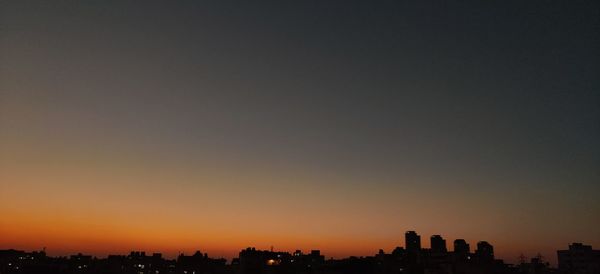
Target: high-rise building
x: 485, y: 251
x: 579, y: 259
x: 461, y: 247
x: 413, y: 242
x: 438, y: 244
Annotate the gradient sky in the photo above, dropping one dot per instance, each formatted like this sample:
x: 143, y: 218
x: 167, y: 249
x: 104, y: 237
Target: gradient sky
x: 335, y: 125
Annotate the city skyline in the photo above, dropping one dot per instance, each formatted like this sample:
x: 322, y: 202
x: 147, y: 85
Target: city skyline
x: 307, y: 125
x: 414, y: 255
x: 412, y: 243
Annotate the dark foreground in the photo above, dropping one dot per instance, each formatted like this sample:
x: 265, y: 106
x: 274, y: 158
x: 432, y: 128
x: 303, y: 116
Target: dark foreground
x: 578, y: 259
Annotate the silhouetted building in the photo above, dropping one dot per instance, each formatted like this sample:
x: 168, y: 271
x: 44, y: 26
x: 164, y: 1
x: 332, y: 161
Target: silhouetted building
x: 16, y: 261
x: 484, y: 252
x: 535, y: 266
x: 199, y: 263
x: 438, y: 244
x: 461, y: 247
x: 435, y: 259
x: 398, y: 251
x: 259, y: 261
x: 412, y: 242
x: 297, y: 253
x: 315, y: 257
x: 579, y: 259
x: 80, y: 262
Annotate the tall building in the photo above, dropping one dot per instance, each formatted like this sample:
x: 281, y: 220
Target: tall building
x: 579, y: 259
x: 485, y: 251
x: 438, y: 244
x: 413, y: 242
x: 461, y: 247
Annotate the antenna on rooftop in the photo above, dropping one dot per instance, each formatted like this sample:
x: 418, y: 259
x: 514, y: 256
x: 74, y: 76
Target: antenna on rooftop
x: 540, y: 257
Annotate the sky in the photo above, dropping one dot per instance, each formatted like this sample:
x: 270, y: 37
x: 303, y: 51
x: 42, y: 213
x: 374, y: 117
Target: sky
x: 332, y: 125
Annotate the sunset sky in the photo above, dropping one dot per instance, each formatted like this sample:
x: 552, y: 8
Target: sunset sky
x: 332, y: 125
